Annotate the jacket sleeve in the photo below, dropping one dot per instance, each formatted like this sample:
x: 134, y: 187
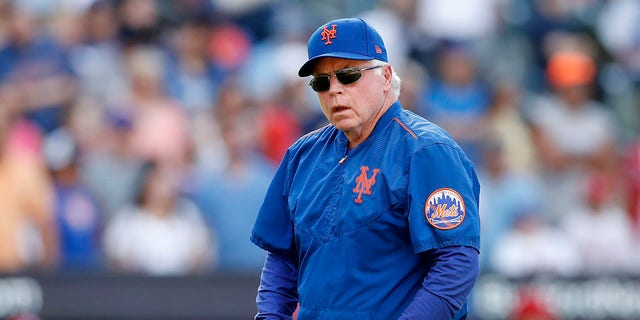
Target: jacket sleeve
x: 446, y: 286
x: 443, y: 196
x: 273, y: 228
x: 277, y: 294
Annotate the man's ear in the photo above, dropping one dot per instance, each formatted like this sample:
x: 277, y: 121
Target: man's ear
x: 388, y: 74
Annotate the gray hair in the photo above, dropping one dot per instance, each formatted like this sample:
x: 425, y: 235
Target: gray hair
x: 396, y: 83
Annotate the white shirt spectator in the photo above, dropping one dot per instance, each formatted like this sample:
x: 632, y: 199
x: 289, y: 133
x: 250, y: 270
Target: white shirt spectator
x: 459, y: 19
x: 535, y: 248
x: 603, y: 239
x: 577, y: 131
x: 172, y: 245
x: 601, y: 229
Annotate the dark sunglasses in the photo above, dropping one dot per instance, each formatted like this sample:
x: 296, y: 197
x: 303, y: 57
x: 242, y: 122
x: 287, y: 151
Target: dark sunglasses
x: 322, y: 82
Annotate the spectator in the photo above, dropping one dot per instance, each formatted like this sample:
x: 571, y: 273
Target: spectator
x: 397, y: 23
x: 505, y: 122
x: 616, y: 29
x: 544, y: 24
x: 232, y: 103
x: 231, y: 197
x: 533, y: 247
x: 600, y: 213
x: 162, y: 233
x: 506, y: 193
x: 192, y: 77
x: 26, y: 210
x: 34, y: 62
x: 78, y: 215
x: 98, y: 59
x: 456, y: 98
x: 621, y: 74
x: 160, y: 124
x: 632, y: 184
x: 111, y: 168
x: 291, y: 98
x: 573, y: 133
x: 473, y: 20
x: 279, y: 129
x: 287, y: 110
x: 139, y: 22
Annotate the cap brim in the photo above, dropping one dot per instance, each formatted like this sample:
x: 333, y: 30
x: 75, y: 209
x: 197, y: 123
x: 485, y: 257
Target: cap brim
x: 307, y: 67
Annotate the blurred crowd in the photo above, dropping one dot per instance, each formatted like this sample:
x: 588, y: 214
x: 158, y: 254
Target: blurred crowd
x: 140, y: 136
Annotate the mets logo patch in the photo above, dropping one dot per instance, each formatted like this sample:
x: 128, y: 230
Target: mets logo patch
x: 445, y: 209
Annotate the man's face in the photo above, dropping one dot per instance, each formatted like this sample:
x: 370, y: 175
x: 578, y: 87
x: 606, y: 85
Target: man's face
x: 575, y: 96
x: 353, y: 108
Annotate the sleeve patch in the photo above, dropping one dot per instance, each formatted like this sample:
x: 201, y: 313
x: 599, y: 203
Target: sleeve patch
x: 444, y: 209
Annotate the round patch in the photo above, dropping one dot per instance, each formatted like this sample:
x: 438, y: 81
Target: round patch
x: 445, y: 209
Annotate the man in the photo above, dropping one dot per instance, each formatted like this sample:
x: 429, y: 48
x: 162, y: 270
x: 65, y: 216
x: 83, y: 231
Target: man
x: 27, y: 220
x: 374, y: 216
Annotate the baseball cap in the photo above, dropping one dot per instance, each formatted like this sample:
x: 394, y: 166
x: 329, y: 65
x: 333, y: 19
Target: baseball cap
x: 570, y: 68
x: 60, y: 149
x: 348, y: 38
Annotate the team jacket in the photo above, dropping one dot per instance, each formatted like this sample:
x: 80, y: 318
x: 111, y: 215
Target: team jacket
x: 355, y: 221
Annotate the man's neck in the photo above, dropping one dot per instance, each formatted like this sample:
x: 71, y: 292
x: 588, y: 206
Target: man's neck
x: 357, y: 137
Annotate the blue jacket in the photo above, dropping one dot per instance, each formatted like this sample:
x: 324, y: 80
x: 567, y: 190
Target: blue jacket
x: 355, y: 221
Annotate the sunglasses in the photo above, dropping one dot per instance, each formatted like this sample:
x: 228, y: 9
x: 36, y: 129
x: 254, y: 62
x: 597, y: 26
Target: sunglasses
x: 322, y: 82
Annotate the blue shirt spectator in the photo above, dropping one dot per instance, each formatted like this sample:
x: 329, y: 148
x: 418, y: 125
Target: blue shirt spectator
x: 34, y: 62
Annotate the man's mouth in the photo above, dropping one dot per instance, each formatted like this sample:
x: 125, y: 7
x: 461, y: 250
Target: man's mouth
x: 338, y: 109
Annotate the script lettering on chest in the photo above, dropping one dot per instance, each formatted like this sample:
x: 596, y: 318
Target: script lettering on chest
x: 364, y: 183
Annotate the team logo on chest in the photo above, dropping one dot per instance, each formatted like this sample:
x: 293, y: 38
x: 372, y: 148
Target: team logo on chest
x: 445, y: 209
x: 364, y: 183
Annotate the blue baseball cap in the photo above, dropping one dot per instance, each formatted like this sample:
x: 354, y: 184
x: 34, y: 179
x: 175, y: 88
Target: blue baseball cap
x: 349, y: 38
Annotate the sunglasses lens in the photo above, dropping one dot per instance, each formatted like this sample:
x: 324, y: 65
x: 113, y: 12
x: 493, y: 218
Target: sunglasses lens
x: 348, y: 77
x: 320, y: 83
x: 323, y: 82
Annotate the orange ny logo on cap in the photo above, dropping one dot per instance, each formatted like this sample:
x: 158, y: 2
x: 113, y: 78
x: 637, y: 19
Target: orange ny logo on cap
x: 327, y: 34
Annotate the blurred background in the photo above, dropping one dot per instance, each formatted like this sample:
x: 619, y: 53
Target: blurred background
x: 138, y: 137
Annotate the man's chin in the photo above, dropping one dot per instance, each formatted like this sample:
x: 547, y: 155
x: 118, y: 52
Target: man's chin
x: 343, y: 123
x: 343, y: 126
